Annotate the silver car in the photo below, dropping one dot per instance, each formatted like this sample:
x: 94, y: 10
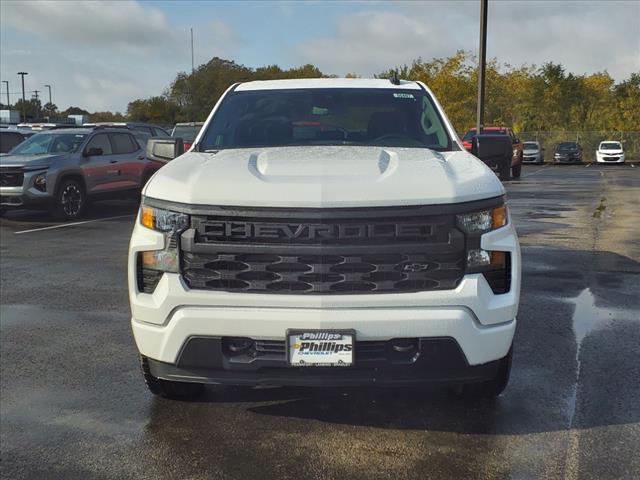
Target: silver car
x: 532, y: 153
x: 65, y: 168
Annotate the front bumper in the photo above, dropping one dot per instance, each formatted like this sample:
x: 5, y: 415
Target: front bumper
x: 480, y: 323
x: 536, y: 158
x: 609, y: 158
x: 25, y: 195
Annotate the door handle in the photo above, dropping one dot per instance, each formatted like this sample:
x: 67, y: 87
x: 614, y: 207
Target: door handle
x: 113, y: 161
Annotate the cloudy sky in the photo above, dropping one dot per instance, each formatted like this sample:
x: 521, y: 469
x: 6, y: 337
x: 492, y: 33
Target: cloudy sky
x: 101, y: 55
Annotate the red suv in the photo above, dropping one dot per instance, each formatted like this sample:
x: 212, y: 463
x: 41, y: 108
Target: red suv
x: 518, y: 146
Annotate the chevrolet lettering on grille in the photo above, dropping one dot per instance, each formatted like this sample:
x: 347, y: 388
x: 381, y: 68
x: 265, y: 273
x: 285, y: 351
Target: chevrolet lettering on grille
x: 310, y: 232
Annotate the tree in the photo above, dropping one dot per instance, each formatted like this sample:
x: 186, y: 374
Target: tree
x: 74, y: 111
x: 29, y: 108
x: 107, y: 117
x: 50, y: 109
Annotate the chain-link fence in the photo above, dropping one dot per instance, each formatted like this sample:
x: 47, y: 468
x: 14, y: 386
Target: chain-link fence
x: 589, y: 142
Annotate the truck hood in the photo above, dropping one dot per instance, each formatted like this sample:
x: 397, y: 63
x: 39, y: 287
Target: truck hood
x: 324, y: 177
x: 28, y: 160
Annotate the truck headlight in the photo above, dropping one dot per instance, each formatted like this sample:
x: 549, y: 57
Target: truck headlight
x: 163, y: 220
x: 494, y: 265
x: 483, y: 221
x: 152, y: 263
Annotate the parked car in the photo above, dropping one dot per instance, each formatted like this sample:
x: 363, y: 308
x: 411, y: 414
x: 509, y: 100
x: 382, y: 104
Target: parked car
x: 325, y: 232
x: 10, y: 138
x: 568, y: 152
x: 610, y: 151
x: 532, y: 153
x: 64, y: 168
x: 516, y: 160
x: 187, y: 131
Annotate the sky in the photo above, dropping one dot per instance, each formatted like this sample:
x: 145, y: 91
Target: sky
x: 102, y: 55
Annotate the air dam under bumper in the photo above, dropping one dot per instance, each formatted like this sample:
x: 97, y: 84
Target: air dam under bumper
x: 431, y: 360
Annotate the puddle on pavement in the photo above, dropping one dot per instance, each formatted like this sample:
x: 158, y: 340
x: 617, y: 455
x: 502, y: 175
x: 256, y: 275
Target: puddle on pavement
x: 587, y: 317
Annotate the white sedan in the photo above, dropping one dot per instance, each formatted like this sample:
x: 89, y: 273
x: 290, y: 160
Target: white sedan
x: 610, y: 151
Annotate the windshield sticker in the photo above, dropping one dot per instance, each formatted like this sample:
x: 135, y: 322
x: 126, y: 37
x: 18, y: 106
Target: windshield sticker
x: 403, y: 95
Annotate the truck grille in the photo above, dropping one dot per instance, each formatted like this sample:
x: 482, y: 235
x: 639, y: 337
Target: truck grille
x: 338, y: 251
x: 282, y: 273
x: 11, y: 177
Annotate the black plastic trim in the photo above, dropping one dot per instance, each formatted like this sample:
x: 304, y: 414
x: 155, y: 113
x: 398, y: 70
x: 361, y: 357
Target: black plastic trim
x: 323, y: 213
x: 440, y: 360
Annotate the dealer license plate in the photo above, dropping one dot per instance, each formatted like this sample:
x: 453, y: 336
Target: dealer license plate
x: 320, y: 348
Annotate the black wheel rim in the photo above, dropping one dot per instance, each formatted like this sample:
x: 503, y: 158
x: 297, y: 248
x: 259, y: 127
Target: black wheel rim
x: 71, y: 200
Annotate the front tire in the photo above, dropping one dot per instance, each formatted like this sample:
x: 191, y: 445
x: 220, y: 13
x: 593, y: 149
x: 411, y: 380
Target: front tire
x: 494, y: 387
x: 70, y: 201
x: 515, y: 171
x: 167, y: 388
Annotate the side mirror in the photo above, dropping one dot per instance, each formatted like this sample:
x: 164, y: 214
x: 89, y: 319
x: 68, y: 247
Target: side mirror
x: 93, y: 152
x: 163, y: 149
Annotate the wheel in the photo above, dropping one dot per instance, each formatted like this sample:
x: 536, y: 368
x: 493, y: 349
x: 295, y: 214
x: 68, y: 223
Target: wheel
x: 70, y: 200
x: 515, y: 171
x: 504, y: 173
x: 167, y: 388
x: 495, y: 386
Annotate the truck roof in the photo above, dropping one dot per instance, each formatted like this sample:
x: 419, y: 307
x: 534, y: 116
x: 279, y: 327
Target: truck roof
x: 326, y: 83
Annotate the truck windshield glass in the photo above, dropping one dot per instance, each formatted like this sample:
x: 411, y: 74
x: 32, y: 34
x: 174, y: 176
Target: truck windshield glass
x: 45, y: 143
x: 303, y: 117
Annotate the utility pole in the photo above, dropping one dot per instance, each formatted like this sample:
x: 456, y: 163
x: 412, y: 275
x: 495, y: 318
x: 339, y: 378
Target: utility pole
x: 49, y: 87
x: 7, y: 82
x: 482, y: 63
x: 24, y: 115
x: 192, y: 62
x: 35, y: 94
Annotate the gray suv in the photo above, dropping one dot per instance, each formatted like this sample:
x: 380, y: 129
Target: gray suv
x: 65, y: 168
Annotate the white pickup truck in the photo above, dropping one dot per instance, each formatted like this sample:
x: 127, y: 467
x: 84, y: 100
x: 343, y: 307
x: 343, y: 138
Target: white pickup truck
x: 324, y: 232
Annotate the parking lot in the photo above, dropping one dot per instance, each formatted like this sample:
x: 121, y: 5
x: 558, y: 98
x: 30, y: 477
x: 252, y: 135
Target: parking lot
x: 73, y: 404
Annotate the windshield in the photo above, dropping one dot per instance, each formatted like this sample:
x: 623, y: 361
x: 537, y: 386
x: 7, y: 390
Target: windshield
x: 274, y: 118
x: 567, y: 146
x: 610, y: 146
x: 530, y: 146
x: 43, y: 143
x: 188, y: 133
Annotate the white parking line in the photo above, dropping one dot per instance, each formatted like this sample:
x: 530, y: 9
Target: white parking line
x: 533, y: 173
x: 73, y: 224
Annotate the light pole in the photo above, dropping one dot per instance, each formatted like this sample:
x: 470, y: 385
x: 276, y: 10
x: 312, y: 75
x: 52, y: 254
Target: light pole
x: 7, y: 82
x: 482, y: 62
x: 49, y: 87
x: 24, y: 115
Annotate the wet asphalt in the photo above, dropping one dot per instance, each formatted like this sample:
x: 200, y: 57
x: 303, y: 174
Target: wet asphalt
x: 73, y: 404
